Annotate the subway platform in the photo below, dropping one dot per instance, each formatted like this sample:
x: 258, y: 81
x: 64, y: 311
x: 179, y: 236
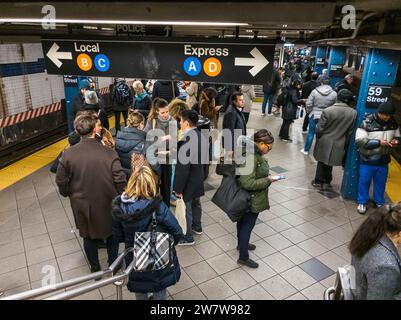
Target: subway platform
x: 300, y: 242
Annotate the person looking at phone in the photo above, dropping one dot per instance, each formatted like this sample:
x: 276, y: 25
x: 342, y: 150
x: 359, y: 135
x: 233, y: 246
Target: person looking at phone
x: 375, y: 138
x: 257, y: 184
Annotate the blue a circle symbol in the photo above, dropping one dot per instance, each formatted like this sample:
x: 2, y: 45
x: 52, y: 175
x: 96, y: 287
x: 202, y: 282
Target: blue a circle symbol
x: 192, y: 66
x: 102, y: 63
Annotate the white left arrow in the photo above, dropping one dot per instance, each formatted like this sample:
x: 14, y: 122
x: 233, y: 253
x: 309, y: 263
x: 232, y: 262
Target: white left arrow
x: 55, y: 56
x: 258, y: 62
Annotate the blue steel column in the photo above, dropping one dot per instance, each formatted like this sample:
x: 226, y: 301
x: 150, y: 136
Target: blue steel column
x: 380, y: 69
x: 320, y: 53
x: 337, y: 57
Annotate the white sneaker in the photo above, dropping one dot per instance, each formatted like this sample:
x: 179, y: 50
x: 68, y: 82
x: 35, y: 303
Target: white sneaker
x: 304, y: 152
x: 361, y: 208
x: 269, y: 115
x: 263, y: 114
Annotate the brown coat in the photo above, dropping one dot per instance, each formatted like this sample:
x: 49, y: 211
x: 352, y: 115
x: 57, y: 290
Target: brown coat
x: 91, y: 175
x: 208, y: 109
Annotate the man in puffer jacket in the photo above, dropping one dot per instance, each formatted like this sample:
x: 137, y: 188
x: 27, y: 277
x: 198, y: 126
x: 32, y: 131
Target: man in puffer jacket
x: 375, y: 138
x: 320, y: 98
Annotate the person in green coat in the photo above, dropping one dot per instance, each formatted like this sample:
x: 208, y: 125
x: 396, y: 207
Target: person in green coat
x: 257, y: 184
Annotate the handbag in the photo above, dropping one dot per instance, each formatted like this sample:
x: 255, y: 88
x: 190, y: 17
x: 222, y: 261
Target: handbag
x: 153, y: 250
x: 231, y: 198
x: 180, y: 214
x: 225, y: 169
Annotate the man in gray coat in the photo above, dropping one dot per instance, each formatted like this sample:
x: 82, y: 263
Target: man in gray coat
x: 333, y: 130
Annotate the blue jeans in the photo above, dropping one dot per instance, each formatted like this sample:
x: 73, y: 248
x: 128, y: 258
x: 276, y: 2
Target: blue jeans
x: 311, y: 133
x: 379, y: 175
x: 265, y: 98
x: 159, y: 295
x: 172, y: 197
x: 193, y: 215
x: 244, y: 229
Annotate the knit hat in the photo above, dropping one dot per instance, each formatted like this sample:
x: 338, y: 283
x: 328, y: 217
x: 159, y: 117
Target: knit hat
x: 386, y: 108
x: 346, y: 96
x: 84, y: 84
x: 91, y: 97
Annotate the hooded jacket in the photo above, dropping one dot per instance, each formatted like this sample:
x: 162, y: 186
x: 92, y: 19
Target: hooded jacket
x: 320, y: 98
x: 132, y: 140
x: 135, y: 215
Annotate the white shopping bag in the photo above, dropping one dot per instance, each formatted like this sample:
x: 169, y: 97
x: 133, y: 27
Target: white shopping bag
x: 180, y: 215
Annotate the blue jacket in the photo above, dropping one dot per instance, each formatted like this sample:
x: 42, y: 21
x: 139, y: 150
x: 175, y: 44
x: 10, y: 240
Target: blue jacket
x: 130, y: 216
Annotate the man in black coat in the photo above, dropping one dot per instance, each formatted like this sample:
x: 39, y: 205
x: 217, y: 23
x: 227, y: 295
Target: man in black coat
x: 269, y: 90
x: 307, y: 88
x: 188, y: 183
x: 168, y: 90
x: 234, y: 122
x: 79, y: 100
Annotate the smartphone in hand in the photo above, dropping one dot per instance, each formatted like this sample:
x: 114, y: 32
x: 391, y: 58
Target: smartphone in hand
x: 278, y: 177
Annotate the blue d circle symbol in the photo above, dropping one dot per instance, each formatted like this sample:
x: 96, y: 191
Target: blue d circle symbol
x: 192, y: 66
x: 102, y: 63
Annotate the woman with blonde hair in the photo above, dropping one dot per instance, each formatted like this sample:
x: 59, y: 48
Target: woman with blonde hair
x: 132, y: 212
x: 142, y: 101
x: 132, y: 140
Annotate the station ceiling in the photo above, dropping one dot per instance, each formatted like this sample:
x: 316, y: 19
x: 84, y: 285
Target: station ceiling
x: 290, y: 18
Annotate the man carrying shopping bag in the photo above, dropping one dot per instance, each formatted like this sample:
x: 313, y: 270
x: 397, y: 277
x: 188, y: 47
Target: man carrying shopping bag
x: 188, y: 184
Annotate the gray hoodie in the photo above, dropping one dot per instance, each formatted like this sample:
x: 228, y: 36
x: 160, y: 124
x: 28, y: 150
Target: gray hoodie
x: 320, y: 98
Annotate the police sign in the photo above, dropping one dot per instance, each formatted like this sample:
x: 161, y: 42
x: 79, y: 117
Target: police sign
x: 377, y: 94
x: 203, y: 60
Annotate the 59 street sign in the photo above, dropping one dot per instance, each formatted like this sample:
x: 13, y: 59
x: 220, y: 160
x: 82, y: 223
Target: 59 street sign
x: 176, y: 59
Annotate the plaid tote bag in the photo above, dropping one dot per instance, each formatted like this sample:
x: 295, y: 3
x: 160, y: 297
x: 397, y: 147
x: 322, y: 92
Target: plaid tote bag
x: 153, y: 250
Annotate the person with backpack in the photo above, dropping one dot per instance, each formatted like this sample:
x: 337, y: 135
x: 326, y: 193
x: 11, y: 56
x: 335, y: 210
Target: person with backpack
x: 160, y: 119
x: 290, y: 101
x: 133, y: 213
x: 269, y: 90
x: 121, y: 99
x: 132, y: 140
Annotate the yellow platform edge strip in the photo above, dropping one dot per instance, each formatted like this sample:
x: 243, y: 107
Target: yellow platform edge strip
x: 28, y: 165
x: 393, y: 187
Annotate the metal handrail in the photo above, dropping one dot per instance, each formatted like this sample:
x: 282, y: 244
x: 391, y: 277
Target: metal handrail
x: 30, y: 294
x: 82, y: 290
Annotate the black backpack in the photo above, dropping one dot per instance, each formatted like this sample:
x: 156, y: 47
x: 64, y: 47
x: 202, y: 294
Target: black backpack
x: 122, y: 94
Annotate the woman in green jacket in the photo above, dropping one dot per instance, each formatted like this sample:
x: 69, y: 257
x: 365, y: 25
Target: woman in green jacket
x: 257, y: 184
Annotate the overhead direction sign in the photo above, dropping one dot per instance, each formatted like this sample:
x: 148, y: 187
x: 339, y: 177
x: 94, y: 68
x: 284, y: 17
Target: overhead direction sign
x: 219, y: 61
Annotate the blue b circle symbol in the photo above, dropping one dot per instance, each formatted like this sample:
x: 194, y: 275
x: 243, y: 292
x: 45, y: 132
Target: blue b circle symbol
x: 102, y: 63
x: 192, y: 66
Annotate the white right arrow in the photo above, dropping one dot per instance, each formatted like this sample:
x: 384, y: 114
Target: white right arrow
x: 55, y: 56
x: 258, y: 62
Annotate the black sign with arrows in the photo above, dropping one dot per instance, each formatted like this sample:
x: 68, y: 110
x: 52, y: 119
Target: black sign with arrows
x: 218, y: 60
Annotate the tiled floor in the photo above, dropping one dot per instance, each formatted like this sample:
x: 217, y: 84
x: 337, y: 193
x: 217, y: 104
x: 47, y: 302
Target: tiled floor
x: 300, y: 241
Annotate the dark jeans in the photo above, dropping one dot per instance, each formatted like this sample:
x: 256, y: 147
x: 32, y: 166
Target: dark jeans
x: 91, y: 251
x: 323, y: 173
x: 193, y: 215
x: 165, y: 183
x: 285, y: 129
x: 306, y: 122
x: 246, y: 116
x: 244, y: 229
x: 104, y: 119
x: 118, y: 121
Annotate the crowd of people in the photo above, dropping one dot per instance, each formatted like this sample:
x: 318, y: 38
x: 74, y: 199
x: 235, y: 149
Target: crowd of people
x: 123, y: 184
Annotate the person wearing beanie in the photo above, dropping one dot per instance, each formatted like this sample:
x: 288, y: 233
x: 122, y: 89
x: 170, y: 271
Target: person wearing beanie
x: 332, y: 133
x: 79, y: 100
x: 375, y: 138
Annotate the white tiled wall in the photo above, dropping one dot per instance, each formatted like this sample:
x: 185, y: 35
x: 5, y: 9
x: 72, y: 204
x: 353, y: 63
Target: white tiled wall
x: 24, y: 92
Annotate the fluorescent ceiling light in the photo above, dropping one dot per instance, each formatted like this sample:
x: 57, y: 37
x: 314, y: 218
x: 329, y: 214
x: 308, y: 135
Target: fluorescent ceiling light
x: 148, y: 22
x: 90, y: 27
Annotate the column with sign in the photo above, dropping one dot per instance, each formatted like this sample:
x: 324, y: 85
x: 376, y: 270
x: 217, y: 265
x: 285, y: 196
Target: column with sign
x: 336, y: 63
x: 320, y: 59
x: 377, y: 79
